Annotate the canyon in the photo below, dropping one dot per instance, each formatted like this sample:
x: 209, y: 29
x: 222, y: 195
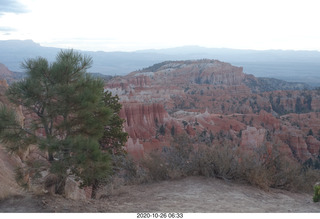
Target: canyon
x: 216, y: 103
x: 207, y: 101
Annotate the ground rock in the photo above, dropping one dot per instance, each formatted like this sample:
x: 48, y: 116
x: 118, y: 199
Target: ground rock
x: 8, y: 164
x: 73, y: 191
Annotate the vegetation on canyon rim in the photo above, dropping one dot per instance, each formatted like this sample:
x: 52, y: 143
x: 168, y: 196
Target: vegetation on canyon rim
x: 263, y: 167
x: 77, y: 127
x: 69, y: 117
x: 316, y: 196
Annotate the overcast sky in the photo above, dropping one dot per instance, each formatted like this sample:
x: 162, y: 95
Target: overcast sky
x: 127, y: 25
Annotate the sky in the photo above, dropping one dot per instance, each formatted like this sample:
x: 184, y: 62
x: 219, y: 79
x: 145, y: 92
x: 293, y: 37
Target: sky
x: 129, y: 25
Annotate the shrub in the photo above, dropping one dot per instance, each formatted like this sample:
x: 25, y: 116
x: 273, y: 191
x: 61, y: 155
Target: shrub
x: 172, y: 162
x: 316, y: 196
x: 156, y: 167
x: 218, y: 161
x: 272, y: 169
x: 264, y: 167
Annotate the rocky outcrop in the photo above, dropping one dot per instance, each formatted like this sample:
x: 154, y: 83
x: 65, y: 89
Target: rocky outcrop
x: 8, y: 165
x: 142, y: 119
x: 73, y: 191
x: 252, y: 137
x: 214, y: 102
x: 5, y: 73
x: 135, y: 148
x: 9, y: 76
x: 3, y: 88
x: 3, y: 83
x: 313, y: 145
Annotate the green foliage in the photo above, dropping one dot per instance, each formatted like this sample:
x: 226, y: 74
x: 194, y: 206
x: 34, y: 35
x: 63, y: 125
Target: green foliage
x: 72, y: 110
x: 113, y: 137
x: 11, y: 133
x: 88, y: 162
x: 184, y: 124
x: 20, y: 179
x: 172, y: 131
x: 312, y: 163
x: 303, y: 103
x: 316, y: 197
x: 299, y: 107
x: 162, y: 130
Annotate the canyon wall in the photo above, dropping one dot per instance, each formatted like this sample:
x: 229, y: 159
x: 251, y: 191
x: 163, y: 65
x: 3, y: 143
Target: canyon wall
x: 214, y: 102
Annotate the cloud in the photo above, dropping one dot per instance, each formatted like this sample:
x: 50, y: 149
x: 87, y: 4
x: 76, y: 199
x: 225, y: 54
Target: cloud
x: 12, y: 6
x: 7, y: 29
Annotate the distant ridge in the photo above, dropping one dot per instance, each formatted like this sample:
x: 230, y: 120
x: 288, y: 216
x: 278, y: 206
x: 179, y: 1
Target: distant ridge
x: 289, y: 65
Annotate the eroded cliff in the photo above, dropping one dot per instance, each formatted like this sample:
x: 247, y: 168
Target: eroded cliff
x: 213, y: 103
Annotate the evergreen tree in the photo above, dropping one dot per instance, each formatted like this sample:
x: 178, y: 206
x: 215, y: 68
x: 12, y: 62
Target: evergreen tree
x: 173, y: 131
x: 310, y: 132
x: 114, y: 137
x: 69, y: 112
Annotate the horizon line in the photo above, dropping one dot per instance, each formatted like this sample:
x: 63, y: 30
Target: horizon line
x: 163, y: 48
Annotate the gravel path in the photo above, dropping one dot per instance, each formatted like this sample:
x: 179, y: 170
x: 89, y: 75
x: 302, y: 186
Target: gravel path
x: 191, y: 194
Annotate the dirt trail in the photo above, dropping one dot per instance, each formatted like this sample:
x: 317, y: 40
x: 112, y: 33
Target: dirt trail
x: 192, y: 194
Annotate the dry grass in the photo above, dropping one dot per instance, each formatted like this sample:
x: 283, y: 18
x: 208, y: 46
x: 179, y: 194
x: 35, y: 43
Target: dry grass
x: 259, y: 168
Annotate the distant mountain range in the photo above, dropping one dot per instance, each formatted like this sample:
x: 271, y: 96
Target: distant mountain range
x: 292, y: 66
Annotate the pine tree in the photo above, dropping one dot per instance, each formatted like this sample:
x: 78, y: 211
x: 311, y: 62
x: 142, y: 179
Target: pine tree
x: 72, y: 111
x: 114, y: 137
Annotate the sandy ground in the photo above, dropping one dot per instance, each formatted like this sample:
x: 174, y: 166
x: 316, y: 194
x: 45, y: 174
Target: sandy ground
x: 191, y: 194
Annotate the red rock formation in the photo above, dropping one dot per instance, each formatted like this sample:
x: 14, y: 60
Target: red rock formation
x: 212, y: 102
x: 268, y: 120
x: 141, y: 120
x: 4, y: 72
x: 3, y: 83
x: 313, y: 145
x: 252, y: 137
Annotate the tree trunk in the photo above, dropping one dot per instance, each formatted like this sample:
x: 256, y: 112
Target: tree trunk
x: 50, y: 157
x: 94, y: 189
